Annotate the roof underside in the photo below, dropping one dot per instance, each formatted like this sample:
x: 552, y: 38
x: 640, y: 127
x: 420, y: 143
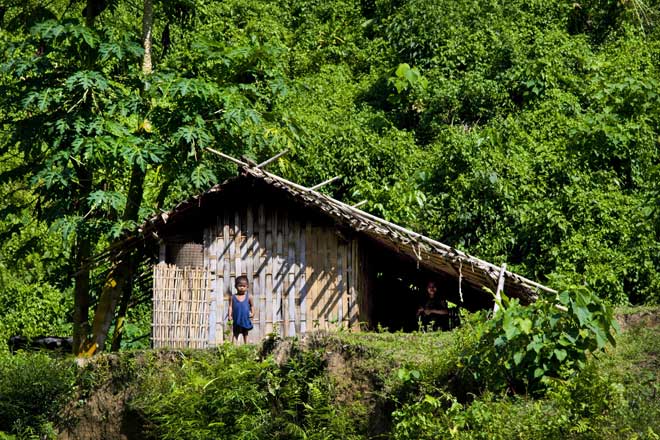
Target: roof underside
x: 428, y: 252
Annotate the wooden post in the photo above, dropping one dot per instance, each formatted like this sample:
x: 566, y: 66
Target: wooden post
x: 460, y: 280
x: 500, y: 287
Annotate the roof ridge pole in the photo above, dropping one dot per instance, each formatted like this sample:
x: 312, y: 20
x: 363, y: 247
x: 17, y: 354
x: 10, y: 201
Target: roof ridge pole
x: 228, y: 157
x: 273, y: 159
x: 500, y: 287
x: 288, y: 182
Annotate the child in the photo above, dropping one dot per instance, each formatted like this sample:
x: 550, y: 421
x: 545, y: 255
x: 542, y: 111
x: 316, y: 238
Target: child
x: 241, y: 310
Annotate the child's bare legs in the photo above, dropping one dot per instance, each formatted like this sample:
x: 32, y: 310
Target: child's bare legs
x: 238, y: 332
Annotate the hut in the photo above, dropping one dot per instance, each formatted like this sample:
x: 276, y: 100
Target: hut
x: 312, y: 262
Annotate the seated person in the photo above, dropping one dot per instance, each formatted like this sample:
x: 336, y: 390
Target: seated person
x: 434, y: 311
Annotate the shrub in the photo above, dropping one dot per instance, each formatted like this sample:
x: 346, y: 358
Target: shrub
x: 32, y: 390
x: 522, y: 346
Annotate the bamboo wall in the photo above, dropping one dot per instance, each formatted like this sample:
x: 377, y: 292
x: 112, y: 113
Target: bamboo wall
x: 302, y: 275
x: 181, y: 305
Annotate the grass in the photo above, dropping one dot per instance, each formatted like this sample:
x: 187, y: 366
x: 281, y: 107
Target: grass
x: 349, y: 385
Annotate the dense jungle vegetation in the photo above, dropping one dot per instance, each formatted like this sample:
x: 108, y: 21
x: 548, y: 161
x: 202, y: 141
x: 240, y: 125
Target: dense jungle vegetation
x: 524, y: 132
x: 520, y: 132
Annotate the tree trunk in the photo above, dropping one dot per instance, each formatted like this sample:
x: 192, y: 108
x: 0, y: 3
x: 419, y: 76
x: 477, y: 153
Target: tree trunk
x: 162, y: 193
x: 81, y: 293
x: 120, y: 277
x: 133, y: 203
x: 82, y: 252
x: 120, y: 322
x: 92, y: 9
x: 83, y: 246
x: 147, y: 29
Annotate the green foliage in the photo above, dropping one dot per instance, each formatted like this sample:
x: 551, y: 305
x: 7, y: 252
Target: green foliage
x: 232, y: 394
x: 614, y: 396
x: 580, y: 408
x: 345, y: 385
x: 33, y: 389
x: 205, y: 397
x: 522, y: 347
x: 32, y: 300
x: 515, y: 131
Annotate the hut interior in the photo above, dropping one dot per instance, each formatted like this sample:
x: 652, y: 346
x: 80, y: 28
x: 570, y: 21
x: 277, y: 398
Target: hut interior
x: 398, y: 288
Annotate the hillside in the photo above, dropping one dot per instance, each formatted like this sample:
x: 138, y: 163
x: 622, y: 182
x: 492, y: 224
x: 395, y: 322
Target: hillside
x: 339, y: 385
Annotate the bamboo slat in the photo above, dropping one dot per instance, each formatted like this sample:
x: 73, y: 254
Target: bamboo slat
x: 314, y: 257
x: 226, y: 269
x: 277, y: 276
x: 211, y: 264
x: 345, y: 294
x: 238, y: 245
x: 341, y: 276
x: 355, y: 306
x: 333, y: 291
x: 232, y: 252
x: 155, y: 287
x: 350, y: 283
x: 262, y: 257
x: 269, y: 275
x: 307, y: 271
x: 299, y: 272
x: 321, y: 298
x: 220, y: 283
x: 293, y: 236
x: 249, y: 262
x: 284, y: 275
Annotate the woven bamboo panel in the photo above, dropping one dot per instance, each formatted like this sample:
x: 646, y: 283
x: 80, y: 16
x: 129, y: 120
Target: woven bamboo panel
x: 186, y: 254
x: 301, y: 275
x: 181, y: 305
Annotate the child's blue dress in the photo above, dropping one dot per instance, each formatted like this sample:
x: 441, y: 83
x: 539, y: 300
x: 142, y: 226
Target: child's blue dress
x: 241, y: 312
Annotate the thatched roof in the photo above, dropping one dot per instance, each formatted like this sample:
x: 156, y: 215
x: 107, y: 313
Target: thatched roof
x: 429, y: 253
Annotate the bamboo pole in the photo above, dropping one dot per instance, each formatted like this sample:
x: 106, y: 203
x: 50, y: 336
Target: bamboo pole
x: 273, y: 159
x: 278, y: 277
x: 268, y: 283
x: 262, y: 256
x: 228, y: 157
x: 500, y: 287
x: 325, y: 182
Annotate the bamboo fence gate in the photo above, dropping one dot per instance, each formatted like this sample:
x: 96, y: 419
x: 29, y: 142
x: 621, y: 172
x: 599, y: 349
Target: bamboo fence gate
x: 181, y: 305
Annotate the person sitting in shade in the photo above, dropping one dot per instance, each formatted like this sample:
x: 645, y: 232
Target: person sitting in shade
x: 433, y: 313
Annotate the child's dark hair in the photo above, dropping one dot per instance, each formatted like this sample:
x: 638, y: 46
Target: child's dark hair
x: 241, y: 278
